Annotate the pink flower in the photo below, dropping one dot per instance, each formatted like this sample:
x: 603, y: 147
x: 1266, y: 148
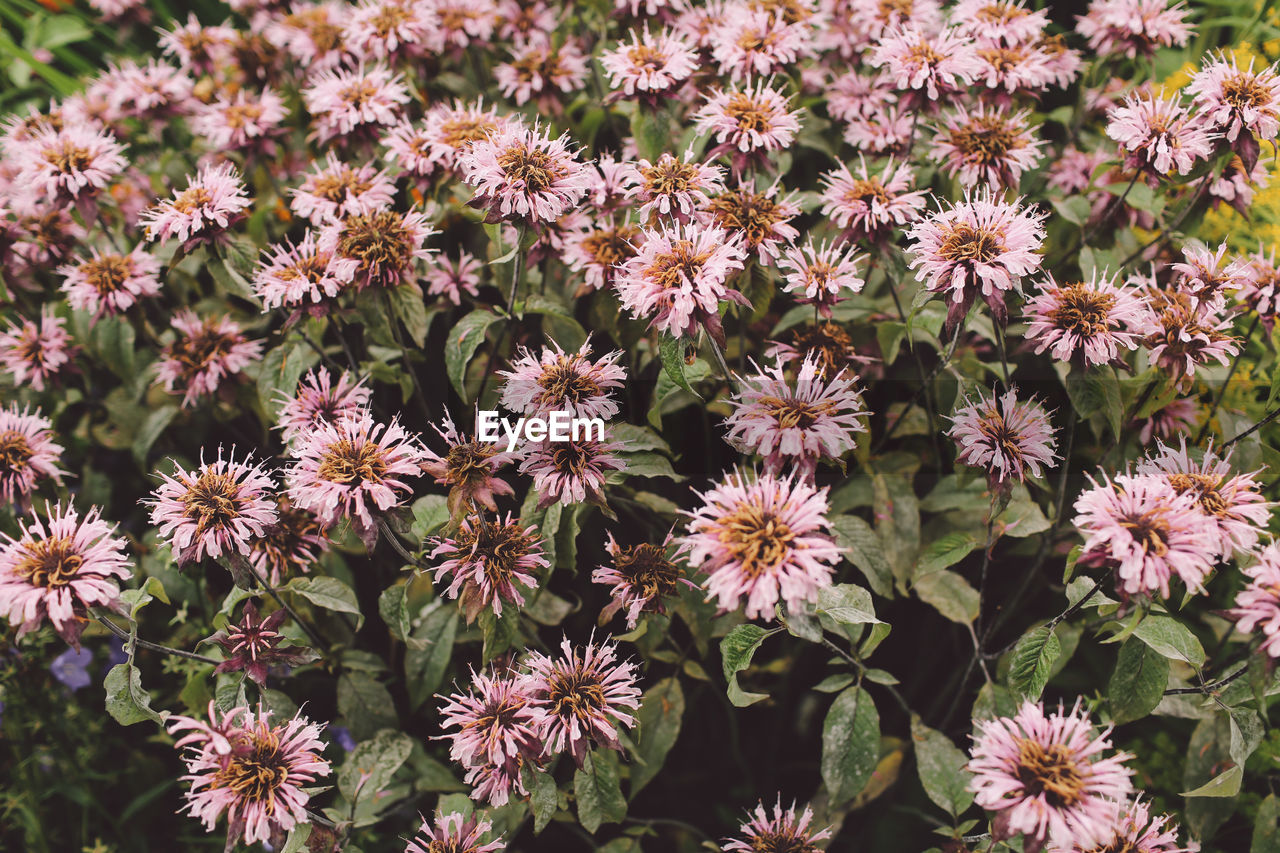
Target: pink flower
x: 538, y: 69
x: 1257, y: 606
x: 598, y: 252
x: 444, y: 134
x: 463, y: 23
x: 787, y: 830
x: 987, y: 146
x: 852, y: 95
x: 1260, y: 291
x: 679, y: 277
x: 1004, y: 436
x: 935, y: 64
x: 1158, y: 135
x: 1009, y: 21
x: 756, y: 42
x: 72, y: 162
x: 290, y: 545
x: 1148, y: 532
x: 823, y: 274
x: 651, y: 65
x: 489, y: 562
x: 298, y: 277
x: 1018, y: 69
x: 643, y: 577
x: 336, y: 190
x: 794, y: 428
x: 212, y: 202
x: 34, y: 352
x: 1045, y: 778
x: 155, y: 90
x: 344, y: 466
x: 1177, y: 418
x: 569, y: 472
x: 110, y: 283
x: 347, y: 103
x: 759, y: 221
x: 253, y: 771
x: 869, y: 206
x: 377, y: 249
x: 1134, y: 28
x: 203, y: 49
x: 320, y: 400
x: 214, y: 511
x: 1236, y: 185
x: 750, y: 119
x: 28, y: 455
x: 762, y: 539
x: 453, y: 833
x: 672, y: 186
x: 58, y: 568
x: 885, y: 130
x: 1206, y: 277
x: 1134, y: 830
x: 1232, y: 504
x: 1182, y: 334
x: 1089, y: 321
x: 980, y: 245
x: 312, y: 34
x: 560, y: 381
x: 252, y: 645
x: 1231, y: 100
x: 247, y: 121
x: 519, y: 172
x: 450, y: 279
x: 205, y: 353
x: 496, y: 734
x: 389, y: 29
x: 469, y: 468
x: 581, y: 697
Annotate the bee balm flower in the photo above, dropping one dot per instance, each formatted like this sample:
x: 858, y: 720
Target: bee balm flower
x: 496, y: 734
x: 521, y: 173
x: 1004, y: 436
x: 28, y: 455
x: 642, y: 578
x: 213, y: 201
x: 786, y: 831
x: 110, y: 283
x: 453, y: 833
x: 1087, y: 321
x: 1257, y: 606
x: 489, y: 561
x: 205, y: 353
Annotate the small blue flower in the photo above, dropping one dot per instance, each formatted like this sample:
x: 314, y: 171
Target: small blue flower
x: 70, y: 668
x: 342, y: 736
x: 115, y: 653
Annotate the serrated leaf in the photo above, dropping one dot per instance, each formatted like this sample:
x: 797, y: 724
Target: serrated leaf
x: 660, y: 715
x: 950, y: 594
x: 941, y: 765
x: 850, y: 744
x: 365, y: 703
x: 329, y: 593
x: 861, y: 547
x: 544, y: 798
x: 1033, y: 659
x: 671, y: 350
x: 463, y: 341
x: 1138, y: 682
x: 1170, y: 638
x: 596, y: 788
x: 736, y: 651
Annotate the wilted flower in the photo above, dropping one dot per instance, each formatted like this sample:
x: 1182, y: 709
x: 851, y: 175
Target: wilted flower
x: 496, y: 731
x: 560, y: 381
x: 651, y: 65
x: 36, y: 352
x: 28, y: 455
x: 213, y: 201
x: 1045, y: 777
x: 292, y: 543
x: 336, y: 190
x: 488, y: 562
x: 205, y: 353
x: 787, y: 831
x: 57, y: 568
x: 642, y: 578
x: 869, y: 206
x: 379, y: 249
x: 453, y: 833
x: 671, y: 186
x: 1004, y: 436
x: 214, y: 511
x: 110, y: 283
x: 987, y: 146
x: 581, y: 697
x: 1257, y: 606
x: 1182, y: 334
x: 253, y: 645
x: 1086, y: 320
x: 351, y: 103
x: 321, y: 400
x: 469, y: 468
x: 521, y: 173
x: 1157, y: 135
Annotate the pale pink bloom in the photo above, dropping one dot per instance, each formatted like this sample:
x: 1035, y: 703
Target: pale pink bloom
x: 256, y: 773
x: 793, y: 427
x: 1045, y: 777
x: 1134, y: 830
x: 462, y: 23
x: 344, y: 467
x: 57, y: 568
x: 606, y: 189
x: 1148, y: 532
x: 335, y: 190
x: 111, y: 10
x: 1071, y: 172
x: 36, y: 352
x: 537, y: 70
x: 597, y: 253
x: 1257, y: 606
x: 1207, y: 276
x: 381, y: 248
x: 935, y: 64
x: 981, y: 245
x: 884, y: 130
x: 45, y: 235
x: 202, y: 49
x: 750, y: 119
x: 495, y: 725
x: 453, y: 832
x: 757, y: 220
x: 1062, y: 63
x: 756, y: 42
x: 213, y: 201
x: 443, y: 135
x: 558, y: 381
x: 1177, y: 418
x: 787, y: 830
x: 1236, y: 185
x: 672, y: 186
x: 215, y: 510
x: 205, y: 353
x: 570, y: 472
x: 1017, y: 69
x: 1260, y: 290
x: 321, y: 400
x: 520, y: 172
x: 1182, y: 334
x: 644, y: 8
x: 1009, y: 21
x: 679, y: 277
x: 522, y: 21
x: 650, y: 65
x: 642, y: 578
x: 345, y: 102
x: 761, y: 540
x: 71, y: 163
x: 28, y: 455
x: 1231, y: 503
x: 110, y: 283
x: 1231, y: 100
x: 824, y: 275
x: 452, y: 278
x: 1157, y: 134
x: 878, y: 21
x: 489, y: 563
x: 868, y: 206
x: 290, y: 546
x: 581, y: 698
x: 389, y: 29
x: 1004, y: 436
x: 154, y: 90
x: 1134, y: 28
x: 852, y: 96
x: 311, y: 34
x: 300, y: 277
x: 469, y: 467
x: 243, y: 122
x: 695, y: 22
x: 987, y: 146
x: 1089, y: 321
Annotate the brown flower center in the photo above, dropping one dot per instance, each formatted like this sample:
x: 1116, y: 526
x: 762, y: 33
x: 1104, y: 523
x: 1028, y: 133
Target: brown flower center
x: 576, y: 694
x: 468, y: 464
x: 1150, y: 530
x: 255, y: 774
x: 353, y: 465
x: 531, y: 166
x: 792, y: 413
x: 612, y: 246
x: 751, y: 214
x: 107, y: 274
x: 1051, y: 771
x: 67, y: 157
x: 829, y: 342
x: 782, y: 841
x: 198, y: 351
x: 967, y: 245
x: 192, y: 198
x: 378, y: 240
x: 756, y: 539
x: 1002, y: 59
x: 464, y: 131
x: 1082, y: 310
x: 1000, y: 435
x: 49, y: 563
x: 500, y: 546
x: 748, y: 113
x: 649, y: 572
x: 565, y: 381
x: 239, y: 116
x: 669, y: 176
x: 1205, y: 490
x: 15, y: 452
x: 682, y: 264
x: 645, y: 57
x: 1242, y: 92
x: 212, y: 500
x: 985, y: 139
x: 866, y: 191
x: 340, y: 186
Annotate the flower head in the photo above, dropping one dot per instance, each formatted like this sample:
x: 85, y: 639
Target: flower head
x: 321, y: 400
x: 205, y: 353
x: 28, y: 455
x: 747, y: 120
x: 291, y: 544
x: 336, y: 190
x: 1088, y: 321
x: 354, y: 102
x: 469, y: 468
x: 672, y: 186
x: 1134, y: 28
x: 1158, y: 135
x: 453, y: 833
x: 651, y: 66
x: 558, y: 381
x: 247, y: 121
x: 57, y: 568
x: 443, y: 135
x: 452, y: 278
x: 496, y: 733
x: 521, y: 173
x: 821, y: 275
x: 489, y: 561
x: 71, y: 162
x: 643, y: 577
x: 213, y: 201
x: 110, y: 283
x: 1257, y: 606
x: 785, y: 831
x: 1232, y: 100
x: 869, y: 206
x: 300, y: 277
x: 987, y: 146
x: 1207, y: 276
x: 756, y: 42
x: 573, y: 471
x: 36, y: 352
x: 759, y: 220
x: 1004, y: 436
x: 253, y: 644
x: 539, y: 69
x: 920, y: 62
x: 597, y: 252
x: 380, y: 248
x: 1182, y: 333
x: 1135, y: 830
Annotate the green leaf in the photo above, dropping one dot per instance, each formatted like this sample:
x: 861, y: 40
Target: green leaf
x: 1170, y: 638
x: 430, y: 512
x: 946, y: 552
x: 1225, y: 784
x: 1075, y: 209
x: 366, y: 704
x: 889, y: 335
x: 463, y: 341
x: 596, y: 788
x: 941, y: 766
x: 660, y: 714
x: 847, y: 604
x: 850, y: 744
x: 1266, y: 827
x: 1138, y: 682
x: 296, y: 841
x: 391, y: 608
x: 375, y: 761
x: 500, y: 632
x: 408, y: 305
x: 652, y: 130
x: 672, y: 353
x: 127, y: 702
x: 282, y: 368
x: 329, y: 593
x: 950, y: 594
x: 544, y: 798
x: 736, y: 651
x: 1033, y: 658
x: 897, y: 523
x: 861, y: 547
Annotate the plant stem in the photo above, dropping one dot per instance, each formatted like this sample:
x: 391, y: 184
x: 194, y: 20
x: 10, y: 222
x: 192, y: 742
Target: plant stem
x: 155, y: 647
x: 1206, y: 688
x: 1222, y: 392
x: 1271, y: 416
x: 306, y: 628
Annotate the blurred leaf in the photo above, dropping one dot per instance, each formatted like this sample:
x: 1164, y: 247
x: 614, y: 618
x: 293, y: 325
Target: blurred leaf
x: 941, y: 766
x: 365, y: 704
x: 425, y: 664
x: 1266, y: 827
x: 850, y: 744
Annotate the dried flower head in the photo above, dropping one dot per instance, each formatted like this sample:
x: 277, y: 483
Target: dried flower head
x: 205, y: 354
x: 489, y: 561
